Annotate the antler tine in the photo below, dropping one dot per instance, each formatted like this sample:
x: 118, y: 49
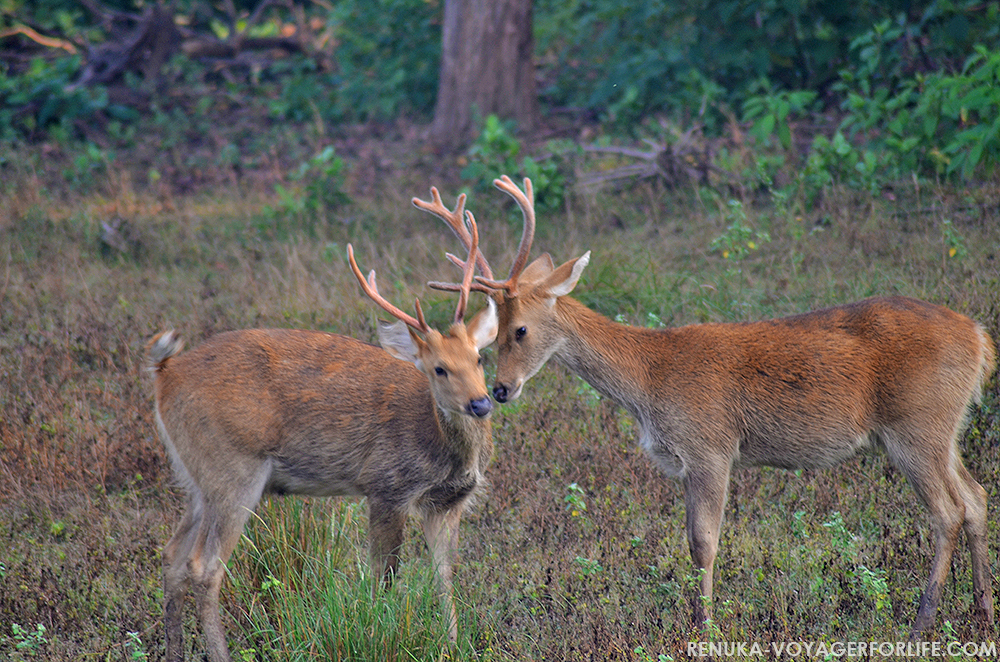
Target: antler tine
x: 469, y: 269
x: 526, y: 201
x: 371, y: 289
x: 454, y: 220
x: 457, y: 287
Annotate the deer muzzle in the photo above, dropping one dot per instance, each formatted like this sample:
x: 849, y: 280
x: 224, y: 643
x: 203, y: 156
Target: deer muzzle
x: 480, y: 408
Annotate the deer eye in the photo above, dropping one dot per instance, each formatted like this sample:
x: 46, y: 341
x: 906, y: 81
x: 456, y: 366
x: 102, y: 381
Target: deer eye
x: 440, y: 372
x: 480, y: 362
x: 520, y: 333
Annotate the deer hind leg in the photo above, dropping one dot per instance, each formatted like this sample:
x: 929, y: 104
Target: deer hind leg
x: 705, y: 490
x: 441, y: 534
x: 222, y: 524
x: 176, y: 577
x: 975, y: 500
x: 929, y: 465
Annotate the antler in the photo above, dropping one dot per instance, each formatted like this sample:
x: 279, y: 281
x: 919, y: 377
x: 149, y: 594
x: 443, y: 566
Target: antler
x: 526, y: 201
x: 454, y: 220
x: 468, y: 267
x: 418, y: 323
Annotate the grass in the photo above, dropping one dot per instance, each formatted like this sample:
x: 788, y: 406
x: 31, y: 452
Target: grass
x: 578, y: 550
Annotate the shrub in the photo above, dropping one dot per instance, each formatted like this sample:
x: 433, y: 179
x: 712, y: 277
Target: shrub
x: 495, y: 152
x: 43, y: 100
x: 937, y: 123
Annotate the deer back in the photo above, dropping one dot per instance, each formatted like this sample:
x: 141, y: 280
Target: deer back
x: 801, y: 391
x: 331, y: 414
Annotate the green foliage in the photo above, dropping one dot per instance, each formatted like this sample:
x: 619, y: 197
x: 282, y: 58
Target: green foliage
x: 625, y: 61
x: 874, y: 587
x: 42, y: 100
x: 619, y: 60
x: 739, y: 239
x: 302, y: 91
x: 28, y: 642
x: 61, y: 16
x: 587, y: 567
x: 306, y: 574
x: 387, y: 57
x: 953, y: 241
x: 134, y: 648
x: 967, y: 109
x: 319, y: 193
x: 575, y: 503
x: 935, y: 122
x: 770, y: 113
x: 321, y: 176
x: 837, y: 161
x: 870, y: 584
x: 88, y: 164
x: 643, y: 656
x: 385, y: 64
x: 495, y: 152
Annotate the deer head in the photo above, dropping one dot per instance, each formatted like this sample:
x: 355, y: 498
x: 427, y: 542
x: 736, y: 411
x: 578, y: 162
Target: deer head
x: 450, y: 360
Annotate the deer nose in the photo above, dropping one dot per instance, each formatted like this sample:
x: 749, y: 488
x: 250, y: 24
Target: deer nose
x: 480, y: 408
x: 500, y: 393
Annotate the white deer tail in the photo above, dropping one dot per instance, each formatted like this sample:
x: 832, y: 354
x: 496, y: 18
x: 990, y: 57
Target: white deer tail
x: 161, y: 347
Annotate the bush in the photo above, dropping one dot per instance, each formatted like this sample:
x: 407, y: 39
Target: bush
x: 42, y: 100
x: 496, y: 152
x: 933, y: 123
x: 387, y: 58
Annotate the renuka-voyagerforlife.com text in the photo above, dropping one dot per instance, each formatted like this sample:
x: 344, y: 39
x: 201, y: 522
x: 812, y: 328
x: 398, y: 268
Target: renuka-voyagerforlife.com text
x: 837, y: 649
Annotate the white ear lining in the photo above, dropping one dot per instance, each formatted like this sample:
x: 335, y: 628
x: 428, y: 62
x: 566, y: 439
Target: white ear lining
x: 396, y: 339
x: 485, y: 325
x: 565, y: 287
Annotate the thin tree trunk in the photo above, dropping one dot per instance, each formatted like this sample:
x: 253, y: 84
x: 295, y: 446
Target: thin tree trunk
x: 487, y: 67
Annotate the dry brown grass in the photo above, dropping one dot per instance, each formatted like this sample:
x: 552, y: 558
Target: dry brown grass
x: 85, y: 491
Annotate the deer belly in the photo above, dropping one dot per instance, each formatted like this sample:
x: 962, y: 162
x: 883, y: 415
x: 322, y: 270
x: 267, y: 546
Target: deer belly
x: 803, y: 452
x: 312, y: 480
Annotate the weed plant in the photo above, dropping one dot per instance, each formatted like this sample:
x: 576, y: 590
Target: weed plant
x: 577, y: 550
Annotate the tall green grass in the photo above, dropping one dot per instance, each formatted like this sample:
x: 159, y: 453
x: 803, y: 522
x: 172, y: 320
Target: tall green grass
x: 307, y: 591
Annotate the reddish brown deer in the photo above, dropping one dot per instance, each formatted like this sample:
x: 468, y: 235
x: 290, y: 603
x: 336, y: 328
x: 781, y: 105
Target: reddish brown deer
x: 805, y: 391
x: 304, y: 412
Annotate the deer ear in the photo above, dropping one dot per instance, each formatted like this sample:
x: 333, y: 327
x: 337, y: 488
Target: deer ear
x: 484, y: 326
x: 398, y: 340
x: 537, y: 270
x: 562, y: 281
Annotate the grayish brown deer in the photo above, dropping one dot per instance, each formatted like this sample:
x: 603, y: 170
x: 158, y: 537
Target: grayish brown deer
x: 807, y: 391
x: 304, y: 412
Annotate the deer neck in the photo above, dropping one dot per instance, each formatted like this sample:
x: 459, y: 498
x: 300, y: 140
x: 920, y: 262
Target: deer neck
x: 471, y: 439
x: 607, y: 355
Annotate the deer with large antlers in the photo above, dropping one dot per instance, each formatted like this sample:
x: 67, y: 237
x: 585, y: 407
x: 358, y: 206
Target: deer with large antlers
x: 807, y: 391
x: 303, y: 412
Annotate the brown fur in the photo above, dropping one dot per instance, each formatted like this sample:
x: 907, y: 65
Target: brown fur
x: 803, y: 391
x: 303, y: 412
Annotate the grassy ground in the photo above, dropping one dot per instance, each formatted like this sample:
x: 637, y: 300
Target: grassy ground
x: 577, y: 551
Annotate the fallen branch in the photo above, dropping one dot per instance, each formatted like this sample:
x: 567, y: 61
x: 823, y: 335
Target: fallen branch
x: 155, y: 37
x: 50, y: 42
x: 147, y: 48
x: 675, y: 163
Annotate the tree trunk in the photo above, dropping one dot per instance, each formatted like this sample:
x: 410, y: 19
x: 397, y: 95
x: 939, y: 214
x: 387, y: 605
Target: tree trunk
x: 487, y: 67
